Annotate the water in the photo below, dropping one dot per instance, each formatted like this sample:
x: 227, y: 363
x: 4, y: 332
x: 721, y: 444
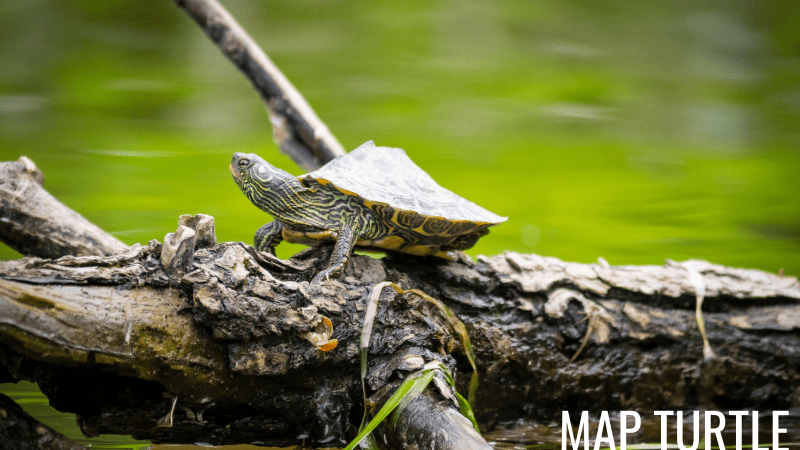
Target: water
x: 635, y: 131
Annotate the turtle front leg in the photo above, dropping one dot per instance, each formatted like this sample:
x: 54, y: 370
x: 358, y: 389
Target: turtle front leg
x: 268, y: 236
x: 341, y: 251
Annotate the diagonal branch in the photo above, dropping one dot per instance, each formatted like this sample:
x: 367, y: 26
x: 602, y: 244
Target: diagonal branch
x: 296, y: 128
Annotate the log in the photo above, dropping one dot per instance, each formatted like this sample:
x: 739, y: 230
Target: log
x: 229, y: 346
x: 87, y: 315
x: 227, y: 349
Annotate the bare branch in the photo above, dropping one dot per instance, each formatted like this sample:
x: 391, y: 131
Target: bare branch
x: 34, y: 223
x: 296, y: 128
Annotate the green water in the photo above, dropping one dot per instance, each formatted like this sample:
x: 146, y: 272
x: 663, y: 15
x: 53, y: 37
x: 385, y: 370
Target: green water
x: 635, y: 131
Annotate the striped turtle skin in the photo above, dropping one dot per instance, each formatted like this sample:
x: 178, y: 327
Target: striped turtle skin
x: 371, y: 197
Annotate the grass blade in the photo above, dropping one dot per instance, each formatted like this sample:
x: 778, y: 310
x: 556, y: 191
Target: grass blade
x: 411, y: 383
x: 461, y: 331
x: 366, y: 334
x: 466, y: 411
x: 413, y: 393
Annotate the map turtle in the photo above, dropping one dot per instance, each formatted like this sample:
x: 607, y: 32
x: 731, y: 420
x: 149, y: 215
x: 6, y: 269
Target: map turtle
x: 373, y: 197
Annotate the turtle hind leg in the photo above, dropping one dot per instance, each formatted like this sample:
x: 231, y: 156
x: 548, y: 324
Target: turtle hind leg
x: 268, y: 236
x: 467, y: 241
x: 341, y: 252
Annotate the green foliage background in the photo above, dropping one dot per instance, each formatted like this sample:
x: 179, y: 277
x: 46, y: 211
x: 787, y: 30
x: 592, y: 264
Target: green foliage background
x: 635, y: 131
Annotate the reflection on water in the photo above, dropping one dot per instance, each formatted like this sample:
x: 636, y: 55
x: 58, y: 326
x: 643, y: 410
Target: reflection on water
x: 632, y: 131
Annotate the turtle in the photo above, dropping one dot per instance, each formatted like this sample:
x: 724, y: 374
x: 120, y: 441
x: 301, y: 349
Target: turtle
x: 373, y: 197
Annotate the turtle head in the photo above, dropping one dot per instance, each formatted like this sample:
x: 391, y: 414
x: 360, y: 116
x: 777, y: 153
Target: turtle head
x: 258, y: 178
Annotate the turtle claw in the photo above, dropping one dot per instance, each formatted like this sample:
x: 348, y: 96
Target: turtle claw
x: 322, y: 276
x: 318, y: 279
x: 331, y: 273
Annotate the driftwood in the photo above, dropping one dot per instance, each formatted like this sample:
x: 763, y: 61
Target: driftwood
x: 193, y: 341
x: 119, y: 331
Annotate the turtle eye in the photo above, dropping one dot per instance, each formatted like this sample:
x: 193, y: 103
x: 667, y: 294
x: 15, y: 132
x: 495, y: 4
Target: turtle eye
x: 243, y: 163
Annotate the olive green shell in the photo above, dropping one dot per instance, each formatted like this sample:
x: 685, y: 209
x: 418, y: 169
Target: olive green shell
x: 396, y: 190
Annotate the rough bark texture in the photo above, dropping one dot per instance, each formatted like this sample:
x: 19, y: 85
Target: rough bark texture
x: 33, y: 222
x: 296, y: 128
x: 645, y: 351
x: 119, y: 340
x: 194, y: 341
x: 234, y: 340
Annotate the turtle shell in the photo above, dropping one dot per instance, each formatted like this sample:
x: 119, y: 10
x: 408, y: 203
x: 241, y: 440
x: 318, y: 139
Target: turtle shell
x: 405, y: 197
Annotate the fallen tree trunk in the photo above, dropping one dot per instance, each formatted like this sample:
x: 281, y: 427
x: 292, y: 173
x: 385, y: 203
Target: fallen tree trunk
x: 102, y: 325
x: 123, y: 343
x: 193, y: 341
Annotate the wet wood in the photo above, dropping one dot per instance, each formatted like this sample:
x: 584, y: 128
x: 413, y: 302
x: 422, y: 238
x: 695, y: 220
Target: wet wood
x: 550, y: 335
x: 429, y: 423
x: 193, y: 341
x: 226, y: 348
x: 556, y: 336
x: 35, y: 223
x: 231, y: 339
x: 296, y: 128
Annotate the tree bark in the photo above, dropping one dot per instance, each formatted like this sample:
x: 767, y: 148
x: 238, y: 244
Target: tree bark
x: 225, y: 348
x: 118, y: 340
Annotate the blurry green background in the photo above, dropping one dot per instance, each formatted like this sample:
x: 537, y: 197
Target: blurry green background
x: 632, y: 130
